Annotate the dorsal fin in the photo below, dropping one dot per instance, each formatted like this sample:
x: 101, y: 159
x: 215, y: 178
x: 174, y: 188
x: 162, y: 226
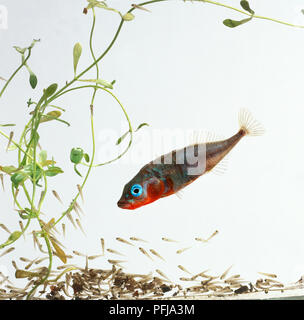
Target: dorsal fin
x: 201, y: 136
x: 212, y: 137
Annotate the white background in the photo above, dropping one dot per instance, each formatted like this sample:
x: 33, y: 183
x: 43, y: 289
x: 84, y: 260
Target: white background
x: 177, y: 67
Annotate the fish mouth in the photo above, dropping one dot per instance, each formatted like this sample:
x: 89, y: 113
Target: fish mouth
x: 123, y: 204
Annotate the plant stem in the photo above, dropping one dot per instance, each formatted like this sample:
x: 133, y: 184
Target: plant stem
x: 87, y: 174
x: 26, y: 226
x: 124, y: 111
x: 47, y: 241
x: 93, y: 55
x: 230, y: 8
x: 88, y: 68
x: 248, y: 14
x: 92, y: 124
x: 155, y: 1
x: 16, y: 71
x: 21, y: 138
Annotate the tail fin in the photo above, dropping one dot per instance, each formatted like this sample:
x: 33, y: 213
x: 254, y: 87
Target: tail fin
x: 251, y: 126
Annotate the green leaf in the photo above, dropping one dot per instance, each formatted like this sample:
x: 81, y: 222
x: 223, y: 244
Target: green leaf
x: 12, y: 147
x: 245, y: 5
x: 47, y: 163
x: 20, y: 50
x: 122, y: 138
x: 50, y: 116
x: 56, y: 107
x: 104, y: 83
x: 36, y: 138
x: 8, y: 169
x: 29, y: 102
x: 7, y: 125
x: 15, y: 236
x: 86, y: 157
x: 29, y: 171
x: 233, y: 23
x: 33, y: 43
x: 53, y: 171
x: 142, y: 125
x: 42, y: 156
x: 128, y: 16
x: 18, y: 178
x: 95, y: 3
x: 33, y: 80
x: 75, y: 168
x: 100, y: 4
x: 76, y: 55
x: 50, y: 90
x: 29, y: 213
x: 12, y: 238
x: 76, y: 155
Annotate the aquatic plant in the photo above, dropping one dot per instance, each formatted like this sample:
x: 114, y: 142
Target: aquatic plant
x: 33, y: 169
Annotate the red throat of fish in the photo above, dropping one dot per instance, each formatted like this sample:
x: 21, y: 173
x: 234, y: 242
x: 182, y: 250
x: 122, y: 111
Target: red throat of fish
x: 154, y: 189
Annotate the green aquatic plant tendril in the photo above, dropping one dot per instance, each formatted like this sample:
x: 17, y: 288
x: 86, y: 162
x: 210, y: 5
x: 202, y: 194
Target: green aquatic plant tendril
x: 15, y: 72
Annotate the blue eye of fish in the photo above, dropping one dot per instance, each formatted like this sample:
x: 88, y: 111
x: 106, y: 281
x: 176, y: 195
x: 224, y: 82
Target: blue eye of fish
x: 136, y: 190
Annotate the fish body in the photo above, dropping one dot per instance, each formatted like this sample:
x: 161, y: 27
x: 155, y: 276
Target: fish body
x: 168, y: 174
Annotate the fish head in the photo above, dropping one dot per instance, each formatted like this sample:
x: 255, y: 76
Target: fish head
x: 140, y: 191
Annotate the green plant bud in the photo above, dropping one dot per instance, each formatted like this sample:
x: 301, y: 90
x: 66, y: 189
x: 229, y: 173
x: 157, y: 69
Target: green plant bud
x: 104, y: 83
x: 18, y: 178
x: 20, y: 50
x: 7, y: 125
x: 14, y: 236
x: 50, y: 116
x: 50, y: 90
x: 128, y: 16
x: 87, y: 157
x: 29, y: 171
x: 42, y: 156
x: 122, y: 138
x: 234, y: 23
x: 142, y: 125
x: 33, y: 80
x: 76, y: 155
x: 8, y: 169
x: 53, y: 171
x: 245, y: 5
x: 33, y: 43
x: 76, y: 55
